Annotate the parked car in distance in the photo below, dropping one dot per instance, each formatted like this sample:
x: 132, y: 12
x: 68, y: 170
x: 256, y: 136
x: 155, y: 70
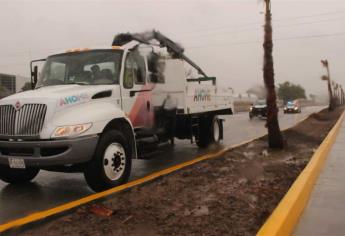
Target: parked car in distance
x: 292, y: 107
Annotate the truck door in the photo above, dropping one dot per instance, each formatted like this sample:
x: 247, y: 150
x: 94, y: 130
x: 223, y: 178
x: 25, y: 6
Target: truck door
x: 136, y: 95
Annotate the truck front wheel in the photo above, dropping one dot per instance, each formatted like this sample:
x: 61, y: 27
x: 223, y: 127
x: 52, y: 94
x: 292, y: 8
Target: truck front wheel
x: 111, y: 164
x: 17, y: 176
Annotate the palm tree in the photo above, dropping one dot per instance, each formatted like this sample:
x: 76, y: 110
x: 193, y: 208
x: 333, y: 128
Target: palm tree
x: 328, y: 79
x: 275, y: 138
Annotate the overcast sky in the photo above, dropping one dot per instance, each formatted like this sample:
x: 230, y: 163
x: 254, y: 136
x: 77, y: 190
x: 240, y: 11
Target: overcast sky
x: 223, y: 36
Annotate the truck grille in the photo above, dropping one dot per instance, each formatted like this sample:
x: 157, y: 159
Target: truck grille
x: 27, y: 121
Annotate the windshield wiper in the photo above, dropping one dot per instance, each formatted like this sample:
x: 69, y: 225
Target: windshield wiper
x: 79, y: 83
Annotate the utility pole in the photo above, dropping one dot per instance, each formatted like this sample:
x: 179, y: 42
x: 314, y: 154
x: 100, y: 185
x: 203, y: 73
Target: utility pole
x: 334, y: 87
x: 275, y: 138
x: 337, y: 93
x: 328, y: 78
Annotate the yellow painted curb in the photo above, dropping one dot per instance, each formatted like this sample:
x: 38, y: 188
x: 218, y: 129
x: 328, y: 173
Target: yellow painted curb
x: 59, y: 209
x: 285, y: 217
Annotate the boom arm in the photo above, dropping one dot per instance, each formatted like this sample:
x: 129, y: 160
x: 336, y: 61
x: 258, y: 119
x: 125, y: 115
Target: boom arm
x: 173, y: 48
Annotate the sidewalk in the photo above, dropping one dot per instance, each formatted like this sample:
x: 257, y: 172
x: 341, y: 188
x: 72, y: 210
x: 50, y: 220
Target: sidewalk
x: 325, y: 212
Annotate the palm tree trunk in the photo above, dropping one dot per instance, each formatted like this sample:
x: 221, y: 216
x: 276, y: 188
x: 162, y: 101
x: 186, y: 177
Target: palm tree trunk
x: 275, y: 139
x: 328, y: 78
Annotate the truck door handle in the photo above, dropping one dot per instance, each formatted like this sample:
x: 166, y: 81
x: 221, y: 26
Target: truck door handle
x: 148, y: 105
x: 133, y: 92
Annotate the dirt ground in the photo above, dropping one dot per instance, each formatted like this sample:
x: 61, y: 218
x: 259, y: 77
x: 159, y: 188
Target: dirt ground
x: 229, y: 195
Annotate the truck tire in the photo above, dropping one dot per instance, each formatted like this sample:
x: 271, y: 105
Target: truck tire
x: 111, y: 163
x: 210, y: 130
x: 17, y: 176
x: 216, y: 130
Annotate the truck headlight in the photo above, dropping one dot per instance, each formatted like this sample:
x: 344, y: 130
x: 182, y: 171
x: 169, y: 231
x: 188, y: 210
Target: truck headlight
x: 70, y: 130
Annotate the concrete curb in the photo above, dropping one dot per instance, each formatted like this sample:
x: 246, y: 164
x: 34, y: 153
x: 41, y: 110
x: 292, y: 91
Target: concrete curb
x: 286, y: 215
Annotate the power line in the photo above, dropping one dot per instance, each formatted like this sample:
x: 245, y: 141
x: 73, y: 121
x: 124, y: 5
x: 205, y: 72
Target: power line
x: 256, y: 23
x: 221, y: 33
x: 311, y: 36
x: 241, y: 43
x: 313, y: 22
x: 276, y: 27
x: 225, y: 27
x: 307, y: 16
x: 232, y: 32
x: 276, y: 39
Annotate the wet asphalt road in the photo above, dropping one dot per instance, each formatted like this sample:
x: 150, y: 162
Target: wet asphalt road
x: 51, y: 189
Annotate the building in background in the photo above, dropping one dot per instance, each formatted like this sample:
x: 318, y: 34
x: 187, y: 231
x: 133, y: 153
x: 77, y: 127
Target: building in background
x: 10, y: 84
x: 20, y: 82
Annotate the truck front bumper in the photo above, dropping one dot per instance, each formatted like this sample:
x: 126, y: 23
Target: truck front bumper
x: 44, y: 153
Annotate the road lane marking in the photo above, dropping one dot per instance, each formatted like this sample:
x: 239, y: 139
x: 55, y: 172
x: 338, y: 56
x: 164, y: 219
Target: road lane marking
x: 286, y: 215
x: 70, y: 205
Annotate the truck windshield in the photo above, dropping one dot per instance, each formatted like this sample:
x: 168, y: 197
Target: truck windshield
x: 97, y: 67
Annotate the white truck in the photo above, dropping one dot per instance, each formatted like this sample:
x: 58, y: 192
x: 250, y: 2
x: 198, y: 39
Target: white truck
x: 94, y: 110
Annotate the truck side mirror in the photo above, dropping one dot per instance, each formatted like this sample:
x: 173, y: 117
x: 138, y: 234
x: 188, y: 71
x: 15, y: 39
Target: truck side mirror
x: 34, y: 76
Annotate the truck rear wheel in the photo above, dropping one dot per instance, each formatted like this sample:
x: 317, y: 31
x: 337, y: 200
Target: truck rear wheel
x: 210, y: 130
x: 17, y: 176
x: 216, y: 130
x: 111, y: 164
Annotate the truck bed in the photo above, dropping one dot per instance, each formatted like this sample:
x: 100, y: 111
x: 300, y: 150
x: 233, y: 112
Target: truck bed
x: 192, y: 95
x: 205, y: 98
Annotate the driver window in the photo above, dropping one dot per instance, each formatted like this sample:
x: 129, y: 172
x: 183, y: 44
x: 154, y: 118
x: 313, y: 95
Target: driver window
x: 139, y: 68
x: 128, y: 78
x: 57, y: 71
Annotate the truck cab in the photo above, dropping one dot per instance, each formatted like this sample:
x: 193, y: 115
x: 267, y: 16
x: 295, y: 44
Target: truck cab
x: 94, y: 110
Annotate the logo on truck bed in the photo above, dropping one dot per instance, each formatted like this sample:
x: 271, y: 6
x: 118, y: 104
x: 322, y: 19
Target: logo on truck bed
x: 202, y: 95
x: 73, y: 99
